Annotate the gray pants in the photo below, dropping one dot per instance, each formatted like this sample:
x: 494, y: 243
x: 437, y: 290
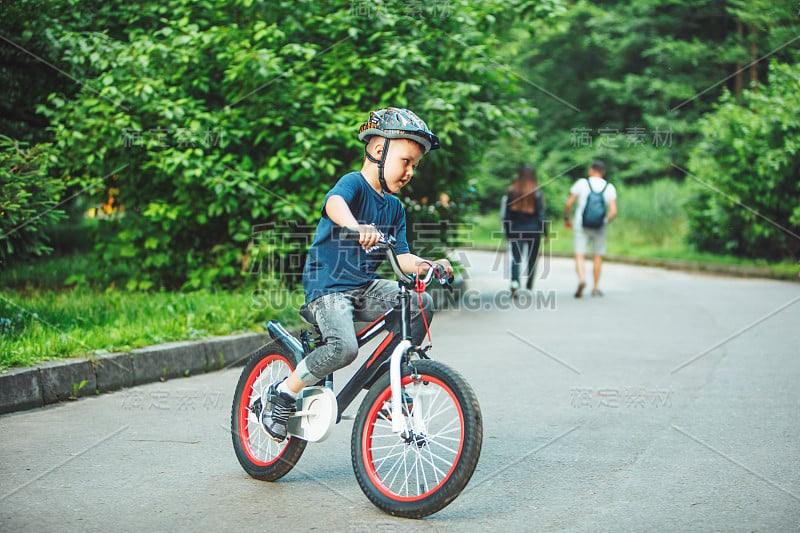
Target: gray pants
x: 336, y: 314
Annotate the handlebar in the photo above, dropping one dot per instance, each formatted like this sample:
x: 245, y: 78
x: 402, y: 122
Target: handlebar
x: 387, y: 244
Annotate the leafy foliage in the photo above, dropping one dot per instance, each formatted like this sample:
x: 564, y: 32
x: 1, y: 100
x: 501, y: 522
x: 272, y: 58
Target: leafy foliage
x: 216, y: 120
x: 746, y: 170
x: 31, y: 46
x: 627, y: 81
x: 29, y: 199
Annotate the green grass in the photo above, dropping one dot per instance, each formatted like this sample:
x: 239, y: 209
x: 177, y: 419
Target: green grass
x: 45, y: 320
x: 45, y: 273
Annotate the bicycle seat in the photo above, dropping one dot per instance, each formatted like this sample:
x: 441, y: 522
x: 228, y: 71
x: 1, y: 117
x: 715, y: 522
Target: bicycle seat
x: 307, y: 315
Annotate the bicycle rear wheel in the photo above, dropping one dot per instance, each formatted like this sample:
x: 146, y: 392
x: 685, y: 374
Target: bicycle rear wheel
x: 423, y: 470
x: 260, y: 456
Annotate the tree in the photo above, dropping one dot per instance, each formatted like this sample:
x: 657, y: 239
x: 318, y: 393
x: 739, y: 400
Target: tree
x: 627, y: 81
x: 31, y: 46
x: 220, y: 118
x: 746, y: 172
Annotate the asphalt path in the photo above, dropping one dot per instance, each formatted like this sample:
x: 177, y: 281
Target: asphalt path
x: 670, y: 404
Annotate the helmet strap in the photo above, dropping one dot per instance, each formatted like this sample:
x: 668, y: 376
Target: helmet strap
x: 380, y: 162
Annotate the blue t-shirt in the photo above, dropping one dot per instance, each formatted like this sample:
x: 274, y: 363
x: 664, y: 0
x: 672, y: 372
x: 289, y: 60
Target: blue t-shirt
x: 335, y: 265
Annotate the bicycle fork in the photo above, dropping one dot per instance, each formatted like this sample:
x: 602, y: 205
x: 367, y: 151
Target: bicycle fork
x: 395, y: 381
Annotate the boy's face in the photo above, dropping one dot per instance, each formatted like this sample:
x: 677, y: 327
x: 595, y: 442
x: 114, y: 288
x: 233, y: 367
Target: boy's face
x: 403, y: 158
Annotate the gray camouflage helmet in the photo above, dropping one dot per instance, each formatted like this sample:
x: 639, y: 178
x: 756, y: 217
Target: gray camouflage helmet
x: 398, y: 123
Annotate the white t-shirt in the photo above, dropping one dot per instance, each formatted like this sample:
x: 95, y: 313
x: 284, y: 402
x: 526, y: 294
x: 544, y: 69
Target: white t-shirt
x: 581, y: 189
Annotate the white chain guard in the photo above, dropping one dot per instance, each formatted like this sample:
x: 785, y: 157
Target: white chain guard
x: 317, y: 410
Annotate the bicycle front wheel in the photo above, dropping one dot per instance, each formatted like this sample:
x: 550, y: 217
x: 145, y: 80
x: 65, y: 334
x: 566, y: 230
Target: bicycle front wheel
x: 422, y: 470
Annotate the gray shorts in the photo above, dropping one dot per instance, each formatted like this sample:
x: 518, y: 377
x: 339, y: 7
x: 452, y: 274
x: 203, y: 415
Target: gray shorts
x: 585, y: 236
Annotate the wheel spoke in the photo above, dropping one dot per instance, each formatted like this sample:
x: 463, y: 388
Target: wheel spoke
x: 417, y: 468
x: 431, y: 414
x: 397, y: 464
x: 414, y: 466
x: 387, y: 457
x: 442, y: 446
x: 389, y: 436
x: 385, y: 447
x: 435, y: 472
x: 448, y: 427
x: 442, y: 437
x: 405, y: 470
x: 424, y: 476
x: 434, y: 457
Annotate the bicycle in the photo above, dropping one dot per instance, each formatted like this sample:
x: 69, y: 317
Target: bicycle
x: 411, y: 465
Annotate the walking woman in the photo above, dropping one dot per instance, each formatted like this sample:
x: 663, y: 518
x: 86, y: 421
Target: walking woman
x: 523, y: 224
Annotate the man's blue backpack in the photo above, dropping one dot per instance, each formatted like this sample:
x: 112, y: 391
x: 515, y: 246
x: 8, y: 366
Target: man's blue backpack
x: 594, y: 214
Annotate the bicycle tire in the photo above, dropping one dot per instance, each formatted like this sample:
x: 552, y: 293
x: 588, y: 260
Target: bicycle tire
x: 443, y: 458
x: 260, y: 456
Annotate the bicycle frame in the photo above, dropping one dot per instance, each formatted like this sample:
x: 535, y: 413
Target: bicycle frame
x: 373, y: 367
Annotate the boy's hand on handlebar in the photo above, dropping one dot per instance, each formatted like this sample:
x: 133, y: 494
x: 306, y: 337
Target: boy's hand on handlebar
x: 368, y: 236
x: 445, y: 264
x: 447, y: 267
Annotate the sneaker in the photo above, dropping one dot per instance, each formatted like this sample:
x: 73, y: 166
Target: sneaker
x: 579, y: 292
x: 275, y: 416
x: 597, y: 292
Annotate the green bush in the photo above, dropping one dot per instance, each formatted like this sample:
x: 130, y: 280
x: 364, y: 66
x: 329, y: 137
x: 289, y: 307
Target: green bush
x: 220, y: 118
x: 746, y: 172
x: 29, y: 199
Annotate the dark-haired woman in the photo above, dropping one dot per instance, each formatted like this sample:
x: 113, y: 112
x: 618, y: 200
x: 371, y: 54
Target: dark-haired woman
x: 523, y: 224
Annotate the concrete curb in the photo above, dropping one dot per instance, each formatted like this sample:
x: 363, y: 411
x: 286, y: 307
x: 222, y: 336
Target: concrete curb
x: 20, y: 389
x: 51, y: 382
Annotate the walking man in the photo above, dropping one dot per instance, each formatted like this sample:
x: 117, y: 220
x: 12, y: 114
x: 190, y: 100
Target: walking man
x: 590, y: 224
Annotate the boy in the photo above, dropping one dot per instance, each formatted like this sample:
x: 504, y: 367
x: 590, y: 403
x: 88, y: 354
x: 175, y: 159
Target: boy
x: 339, y: 277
